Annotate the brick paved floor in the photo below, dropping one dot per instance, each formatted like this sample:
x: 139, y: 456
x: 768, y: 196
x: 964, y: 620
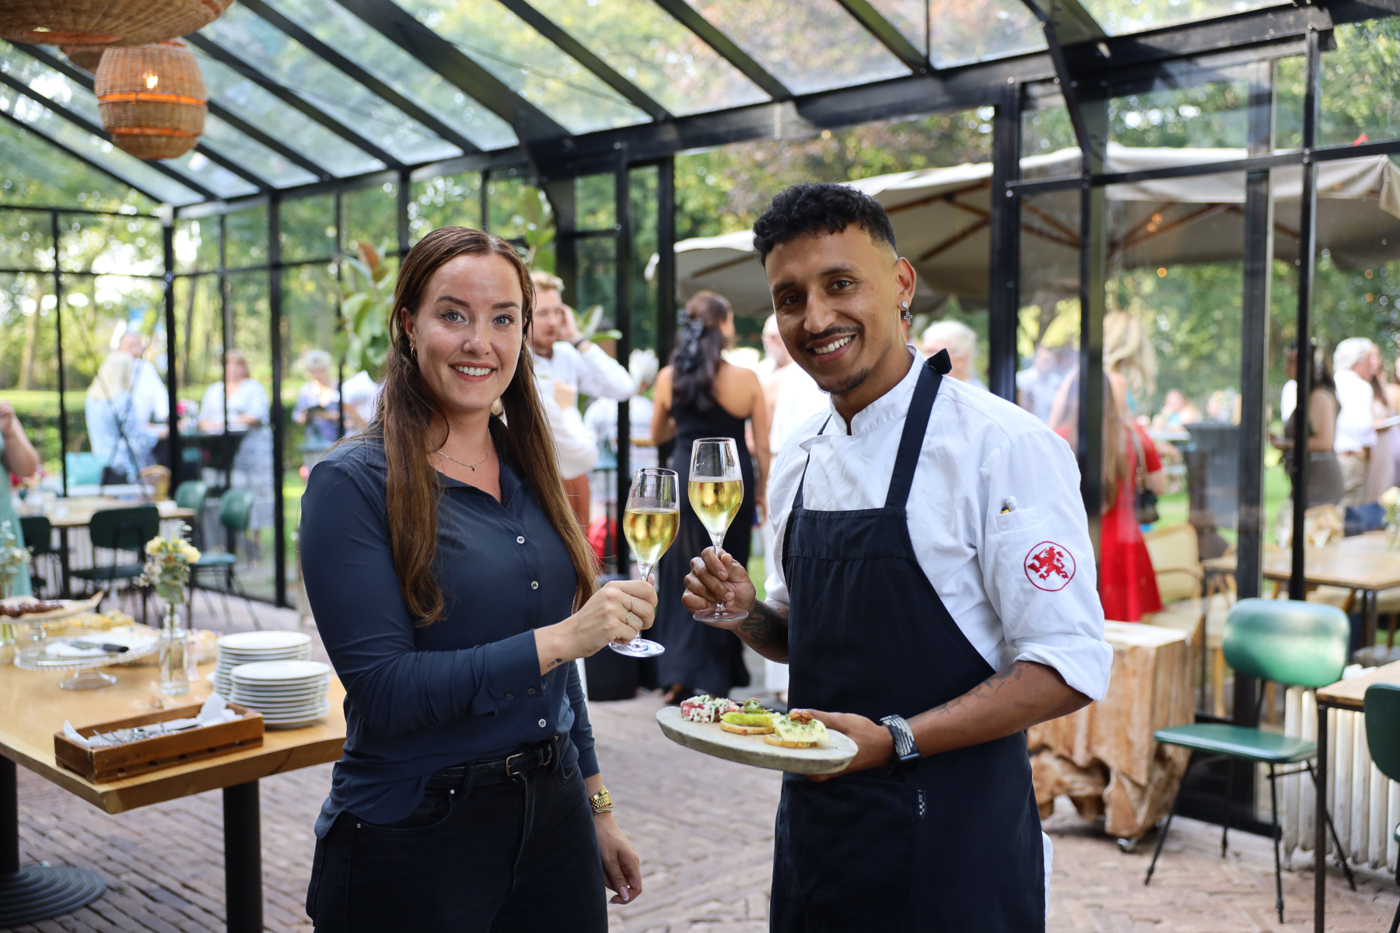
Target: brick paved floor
x: 704, y: 829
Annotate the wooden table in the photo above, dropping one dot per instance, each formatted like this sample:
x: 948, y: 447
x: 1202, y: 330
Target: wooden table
x: 33, y: 708
x: 1350, y: 695
x: 1361, y: 563
x: 77, y: 512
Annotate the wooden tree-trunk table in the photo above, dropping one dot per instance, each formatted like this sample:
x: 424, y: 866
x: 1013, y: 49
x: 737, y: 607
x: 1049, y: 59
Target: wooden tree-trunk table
x: 1104, y: 757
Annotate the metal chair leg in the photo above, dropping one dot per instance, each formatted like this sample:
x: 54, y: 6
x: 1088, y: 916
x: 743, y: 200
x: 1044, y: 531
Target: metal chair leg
x: 1395, y: 923
x: 1162, y: 836
x: 1336, y: 840
x: 1278, y: 868
x: 1229, y: 792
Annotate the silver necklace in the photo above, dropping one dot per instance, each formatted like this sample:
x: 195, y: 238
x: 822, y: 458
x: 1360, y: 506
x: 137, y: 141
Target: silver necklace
x: 469, y: 466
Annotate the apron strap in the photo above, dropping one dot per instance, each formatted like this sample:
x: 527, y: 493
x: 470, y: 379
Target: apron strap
x: 802, y: 483
x: 915, y: 424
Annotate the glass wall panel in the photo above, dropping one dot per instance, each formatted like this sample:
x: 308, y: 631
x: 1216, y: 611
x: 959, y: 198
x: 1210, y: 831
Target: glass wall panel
x: 308, y: 228
x: 273, y: 52
x: 1122, y: 16
x: 646, y: 46
x: 105, y: 244
x: 371, y: 215
x: 519, y: 211
x: 597, y: 276
x: 1208, y: 116
x: 448, y: 200
x: 535, y: 68
x: 199, y: 341
x: 644, y: 223
x: 595, y: 202
x: 246, y: 234
x: 955, y: 32
x: 1361, y: 84
x: 26, y: 240
x: 352, y: 37
x: 196, y: 244
x: 835, y: 49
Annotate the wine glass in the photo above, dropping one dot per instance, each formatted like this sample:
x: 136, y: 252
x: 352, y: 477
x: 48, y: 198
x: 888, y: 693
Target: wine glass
x: 716, y: 492
x: 650, y: 522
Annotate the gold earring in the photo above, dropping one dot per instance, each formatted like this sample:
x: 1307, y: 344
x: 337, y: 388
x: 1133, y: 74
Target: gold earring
x: 497, y: 408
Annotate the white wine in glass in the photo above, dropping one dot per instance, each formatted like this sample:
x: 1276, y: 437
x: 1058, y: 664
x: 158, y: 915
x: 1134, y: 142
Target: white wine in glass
x: 650, y: 522
x: 716, y: 492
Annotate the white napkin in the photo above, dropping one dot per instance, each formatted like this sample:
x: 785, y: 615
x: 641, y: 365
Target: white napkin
x: 58, y: 649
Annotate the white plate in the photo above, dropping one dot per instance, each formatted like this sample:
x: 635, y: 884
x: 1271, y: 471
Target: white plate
x: 297, y: 724
x: 305, y: 712
x: 281, y: 671
x: 277, y: 704
x: 316, y: 689
x: 263, y: 641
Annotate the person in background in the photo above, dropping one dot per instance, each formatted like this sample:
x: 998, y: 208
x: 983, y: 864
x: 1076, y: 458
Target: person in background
x: 1325, y: 484
x: 1177, y: 412
x: 700, y: 395
x: 961, y: 343
x: 115, y: 434
x: 17, y: 456
x: 318, y: 403
x: 248, y: 410
x: 601, y: 416
x: 1392, y: 397
x: 148, y: 392
x: 454, y: 590
x: 360, y: 396
x: 1353, y: 364
x: 776, y: 361
x: 567, y: 366
x: 1128, y: 352
x: 1036, y: 384
x: 1381, y: 474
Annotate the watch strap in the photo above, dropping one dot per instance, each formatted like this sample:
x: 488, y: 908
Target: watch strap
x: 905, y: 748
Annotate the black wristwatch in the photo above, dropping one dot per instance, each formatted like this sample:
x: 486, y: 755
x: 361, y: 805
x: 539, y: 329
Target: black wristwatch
x: 905, y: 748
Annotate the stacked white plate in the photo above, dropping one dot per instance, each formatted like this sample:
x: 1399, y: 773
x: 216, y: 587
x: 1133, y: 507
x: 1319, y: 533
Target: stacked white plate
x: 287, y: 693
x: 252, y: 647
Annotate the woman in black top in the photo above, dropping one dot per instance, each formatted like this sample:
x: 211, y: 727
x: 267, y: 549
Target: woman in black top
x: 700, y: 395
x: 1325, y: 483
x: 454, y: 590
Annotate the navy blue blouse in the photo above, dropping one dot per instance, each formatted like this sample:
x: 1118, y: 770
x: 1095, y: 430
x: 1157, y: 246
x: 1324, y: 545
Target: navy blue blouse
x: 468, y: 687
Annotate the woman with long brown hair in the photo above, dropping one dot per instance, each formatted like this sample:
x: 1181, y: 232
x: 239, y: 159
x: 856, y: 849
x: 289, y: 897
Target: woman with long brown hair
x: 454, y: 590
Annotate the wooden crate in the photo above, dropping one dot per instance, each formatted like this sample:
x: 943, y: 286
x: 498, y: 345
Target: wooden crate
x: 110, y: 763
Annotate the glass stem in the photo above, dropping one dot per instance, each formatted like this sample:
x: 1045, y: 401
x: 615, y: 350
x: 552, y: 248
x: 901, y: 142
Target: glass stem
x: 719, y: 551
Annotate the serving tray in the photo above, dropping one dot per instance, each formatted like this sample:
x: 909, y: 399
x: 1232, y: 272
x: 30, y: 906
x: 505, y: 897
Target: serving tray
x: 829, y: 757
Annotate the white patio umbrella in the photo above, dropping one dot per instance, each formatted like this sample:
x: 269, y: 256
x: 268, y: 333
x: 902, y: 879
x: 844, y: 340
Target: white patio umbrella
x: 941, y: 222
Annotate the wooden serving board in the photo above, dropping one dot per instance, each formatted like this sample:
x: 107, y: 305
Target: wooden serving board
x: 70, y: 607
x: 827, y: 758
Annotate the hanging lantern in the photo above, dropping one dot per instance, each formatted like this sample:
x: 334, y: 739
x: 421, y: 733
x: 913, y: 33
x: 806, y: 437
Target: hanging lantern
x: 85, y: 57
x: 105, y: 22
x: 152, y: 99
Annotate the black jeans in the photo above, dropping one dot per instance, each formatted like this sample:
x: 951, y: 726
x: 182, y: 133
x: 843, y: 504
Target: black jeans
x: 515, y: 856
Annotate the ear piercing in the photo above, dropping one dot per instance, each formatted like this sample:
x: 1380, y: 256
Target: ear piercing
x: 906, y: 313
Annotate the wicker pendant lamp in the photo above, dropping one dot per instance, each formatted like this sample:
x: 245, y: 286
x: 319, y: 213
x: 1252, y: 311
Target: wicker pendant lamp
x: 85, y: 57
x: 152, y: 99
x: 105, y: 22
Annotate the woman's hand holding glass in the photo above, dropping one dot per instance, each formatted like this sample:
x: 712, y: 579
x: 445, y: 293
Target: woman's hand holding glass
x: 617, y: 612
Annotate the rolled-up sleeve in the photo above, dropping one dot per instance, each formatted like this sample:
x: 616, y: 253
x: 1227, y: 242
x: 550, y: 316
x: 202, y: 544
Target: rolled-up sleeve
x: 1037, y: 561
x: 350, y: 580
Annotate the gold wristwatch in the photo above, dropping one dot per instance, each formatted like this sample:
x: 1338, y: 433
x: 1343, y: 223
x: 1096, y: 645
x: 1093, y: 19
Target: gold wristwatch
x: 601, y: 802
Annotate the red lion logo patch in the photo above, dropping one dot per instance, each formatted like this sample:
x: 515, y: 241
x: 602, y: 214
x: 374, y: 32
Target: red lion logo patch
x: 1050, y: 566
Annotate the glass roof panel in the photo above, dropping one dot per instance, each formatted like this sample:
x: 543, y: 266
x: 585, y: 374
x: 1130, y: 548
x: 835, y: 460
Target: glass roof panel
x: 352, y: 37
x: 285, y: 60
x: 535, y: 68
x: 254, y: 156
x: 964, y: 30
x: 1122, y: 16
x: 38, y: 172
x: 654, y: 51
x: 835, y: 50
x: 245, y: 99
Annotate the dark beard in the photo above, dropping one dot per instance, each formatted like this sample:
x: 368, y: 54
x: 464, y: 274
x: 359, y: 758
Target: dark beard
x: 854, y: 382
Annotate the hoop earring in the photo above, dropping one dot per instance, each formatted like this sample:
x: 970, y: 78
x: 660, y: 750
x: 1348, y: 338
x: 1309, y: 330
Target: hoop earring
x: 413, y: 350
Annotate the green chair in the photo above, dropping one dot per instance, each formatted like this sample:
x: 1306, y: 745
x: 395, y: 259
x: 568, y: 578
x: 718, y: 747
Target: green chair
x: 38, y: 537
x: 191, y: 495
x: 235, y: 513
x: 1289, y: 642
x: 1383, y: 739
x: 121, y: 530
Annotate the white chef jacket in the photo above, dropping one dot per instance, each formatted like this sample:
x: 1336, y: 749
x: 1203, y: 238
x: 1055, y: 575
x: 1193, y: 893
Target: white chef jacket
x: 589, y: 371
x: 979, y: 452
x: 1355, y: 420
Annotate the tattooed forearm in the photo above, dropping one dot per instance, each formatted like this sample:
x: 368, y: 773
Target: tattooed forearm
x: 1010, y: 701
x: 766, y: 628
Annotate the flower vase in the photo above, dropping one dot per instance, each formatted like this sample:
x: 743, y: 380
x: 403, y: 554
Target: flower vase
x: 174, y: 655
x: 1392, y: 536
x: 8, y: 630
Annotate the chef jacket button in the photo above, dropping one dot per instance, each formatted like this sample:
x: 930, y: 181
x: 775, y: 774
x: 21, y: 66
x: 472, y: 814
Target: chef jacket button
x: 541, y: 723
x: 519, y: 539
x: 530, y: 691
x: 510, y: 696
x: 534, y: 584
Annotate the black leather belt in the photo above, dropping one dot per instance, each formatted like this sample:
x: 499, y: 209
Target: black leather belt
x: 539, y: 755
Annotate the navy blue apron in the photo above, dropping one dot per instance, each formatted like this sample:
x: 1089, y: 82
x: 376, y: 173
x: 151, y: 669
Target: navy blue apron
x: 951, y: 843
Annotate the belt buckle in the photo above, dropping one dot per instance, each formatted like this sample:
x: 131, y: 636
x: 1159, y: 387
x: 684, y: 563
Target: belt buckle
x: 509, y: 759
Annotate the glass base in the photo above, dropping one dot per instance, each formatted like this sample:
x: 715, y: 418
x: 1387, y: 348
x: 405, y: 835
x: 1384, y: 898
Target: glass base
x: 720, y: 615
x: 90, y: 679
x: 638, y: 648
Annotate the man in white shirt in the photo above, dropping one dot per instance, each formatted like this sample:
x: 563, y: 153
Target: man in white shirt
x: 1354, y: 364
x: 1036, y: 384
x: 149, y: 398
x: 932, y: 588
